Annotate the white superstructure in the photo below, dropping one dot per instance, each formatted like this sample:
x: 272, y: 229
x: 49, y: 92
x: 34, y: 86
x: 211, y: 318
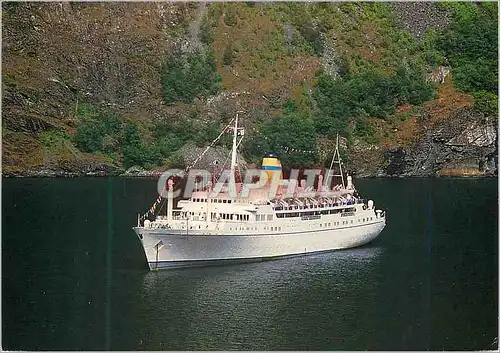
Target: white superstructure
x: 213, y: 228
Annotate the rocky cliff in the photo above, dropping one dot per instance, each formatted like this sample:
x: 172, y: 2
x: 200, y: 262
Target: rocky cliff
x: 62, y: 61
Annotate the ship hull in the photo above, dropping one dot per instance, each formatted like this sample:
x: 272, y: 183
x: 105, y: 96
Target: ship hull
x: 170, y: 249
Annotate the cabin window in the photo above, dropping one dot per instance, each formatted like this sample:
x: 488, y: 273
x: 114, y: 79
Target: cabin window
x: 269, y: 217
x: 228, y: 201
x: 224, y: 201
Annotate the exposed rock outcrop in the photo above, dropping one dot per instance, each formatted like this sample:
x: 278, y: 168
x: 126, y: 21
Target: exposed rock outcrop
x: 419, y: 17
x: 68, y: 170
x: 463, y: 145
x: 137, y: 171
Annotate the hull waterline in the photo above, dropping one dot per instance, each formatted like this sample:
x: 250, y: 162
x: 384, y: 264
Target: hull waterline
x: 172, y: 249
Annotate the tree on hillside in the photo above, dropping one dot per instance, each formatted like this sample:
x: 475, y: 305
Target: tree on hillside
x: 290, y: 135
x: 184, y: 79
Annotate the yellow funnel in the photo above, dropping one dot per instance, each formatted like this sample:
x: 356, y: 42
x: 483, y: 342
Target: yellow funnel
x: 271, y: 164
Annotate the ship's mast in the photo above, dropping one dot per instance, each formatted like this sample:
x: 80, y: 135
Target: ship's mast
x: 339, y: 162
x: 233, y: 152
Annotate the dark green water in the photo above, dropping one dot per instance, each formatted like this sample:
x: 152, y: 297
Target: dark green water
x: 74, y: 276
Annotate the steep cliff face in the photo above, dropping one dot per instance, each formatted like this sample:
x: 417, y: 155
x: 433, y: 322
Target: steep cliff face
x: 59, y: 59
x: 464, y: 145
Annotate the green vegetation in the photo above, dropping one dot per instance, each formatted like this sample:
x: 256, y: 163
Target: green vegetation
x: 131, y: 143
x: 54, y: 139
x: 102, y: 132
x: 375, y: 68
x: 366, y: 95
x: 486, y: 102
x: 185, y: 79
x: 432, y: 55
x: 96, y: 128
x: 309, y: 21
x: 471, y: 46
x: 136, y: 150
x: 290, y: 135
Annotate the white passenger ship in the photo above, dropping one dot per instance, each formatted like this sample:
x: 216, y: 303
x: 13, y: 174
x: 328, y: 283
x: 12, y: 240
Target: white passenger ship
x: 210, y: 228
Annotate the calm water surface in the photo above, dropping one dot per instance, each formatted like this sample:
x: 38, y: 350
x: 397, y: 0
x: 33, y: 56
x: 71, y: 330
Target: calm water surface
x: 74, y: 276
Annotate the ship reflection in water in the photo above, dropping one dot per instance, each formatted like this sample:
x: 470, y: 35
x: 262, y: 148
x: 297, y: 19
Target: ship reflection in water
x: 262, y: 305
